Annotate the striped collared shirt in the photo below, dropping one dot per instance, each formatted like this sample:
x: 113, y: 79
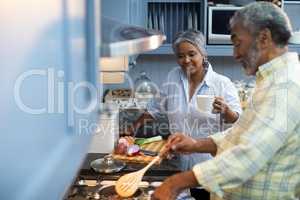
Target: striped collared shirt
x: 259, y: 157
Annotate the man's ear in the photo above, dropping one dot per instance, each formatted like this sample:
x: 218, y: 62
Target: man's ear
x: 265, y: 38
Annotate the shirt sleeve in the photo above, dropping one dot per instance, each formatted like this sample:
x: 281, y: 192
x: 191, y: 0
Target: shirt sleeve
x: 247, y: 146
x: 218, y: 137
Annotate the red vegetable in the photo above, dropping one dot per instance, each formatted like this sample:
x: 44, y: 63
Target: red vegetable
x: 133, y: 150
x: 121, y: 149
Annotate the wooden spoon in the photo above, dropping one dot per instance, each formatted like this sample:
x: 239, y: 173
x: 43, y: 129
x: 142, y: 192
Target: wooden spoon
x: 128, y: 184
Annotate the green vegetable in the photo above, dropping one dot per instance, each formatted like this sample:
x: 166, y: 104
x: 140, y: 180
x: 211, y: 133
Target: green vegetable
x: 141, y: 141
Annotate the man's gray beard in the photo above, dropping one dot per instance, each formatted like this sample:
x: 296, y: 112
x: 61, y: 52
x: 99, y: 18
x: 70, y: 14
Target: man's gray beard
x: 252, y: 57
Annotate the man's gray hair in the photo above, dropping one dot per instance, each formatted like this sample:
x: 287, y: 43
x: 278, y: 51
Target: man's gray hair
x: 194, y: 37
x: 258, y: 16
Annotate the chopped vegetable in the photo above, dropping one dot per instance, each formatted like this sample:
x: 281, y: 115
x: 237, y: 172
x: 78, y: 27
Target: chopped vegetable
x: 133, y: 150
x: 141, y: 141
x: 121, y: 149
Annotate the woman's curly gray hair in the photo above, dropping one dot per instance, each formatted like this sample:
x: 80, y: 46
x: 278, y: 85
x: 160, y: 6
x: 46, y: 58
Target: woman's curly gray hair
x: 194, y: 37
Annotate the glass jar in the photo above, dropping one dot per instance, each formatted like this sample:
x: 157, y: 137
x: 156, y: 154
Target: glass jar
x: 107, y: 132
x: 145, y: 89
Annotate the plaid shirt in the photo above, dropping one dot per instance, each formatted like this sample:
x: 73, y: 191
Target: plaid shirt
x: 259, y: 157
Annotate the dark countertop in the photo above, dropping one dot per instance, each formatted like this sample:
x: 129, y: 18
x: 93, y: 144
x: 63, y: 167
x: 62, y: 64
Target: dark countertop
x: 155, y: 173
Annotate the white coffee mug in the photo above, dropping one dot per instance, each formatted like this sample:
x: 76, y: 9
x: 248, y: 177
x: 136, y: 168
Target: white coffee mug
x: 205, y: 103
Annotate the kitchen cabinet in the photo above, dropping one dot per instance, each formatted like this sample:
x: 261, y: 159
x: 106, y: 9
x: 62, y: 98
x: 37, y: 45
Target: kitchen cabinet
x: 291, y: 7
x: 48, y: 87
x: 116, y: 9
x: 125, y: 11
x: 171, y: 16
x: 168, y: 16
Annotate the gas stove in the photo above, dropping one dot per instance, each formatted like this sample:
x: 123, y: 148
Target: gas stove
x: 103, y: 189
x: 93, y: 185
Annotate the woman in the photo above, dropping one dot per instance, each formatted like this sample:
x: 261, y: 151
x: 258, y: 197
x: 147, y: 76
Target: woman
x: 178, y: 99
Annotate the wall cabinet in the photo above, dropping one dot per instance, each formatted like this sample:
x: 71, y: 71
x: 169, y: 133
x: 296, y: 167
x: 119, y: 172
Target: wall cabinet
x: 171, y: 16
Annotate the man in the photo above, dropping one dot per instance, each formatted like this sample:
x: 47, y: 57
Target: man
x: 259, y: 157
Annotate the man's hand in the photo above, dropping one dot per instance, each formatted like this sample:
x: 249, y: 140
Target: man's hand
x: 181, y: 143
x: 166, y: 191
x: 173, y: 185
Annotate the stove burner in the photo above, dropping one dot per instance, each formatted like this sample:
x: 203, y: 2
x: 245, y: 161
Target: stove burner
x: 79, y: 191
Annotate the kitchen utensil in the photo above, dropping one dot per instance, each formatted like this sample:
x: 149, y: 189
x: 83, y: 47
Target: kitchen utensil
x: 148, y: 153
x: 155, y: 18
x: 190, y: 21
x: 150, y: 19
x: 195, y: 19
x: 128, y: 184
x: 162, y: 22
x: 107, y: 165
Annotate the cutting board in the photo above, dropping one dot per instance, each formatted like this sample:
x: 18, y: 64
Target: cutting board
x: 154, y: 146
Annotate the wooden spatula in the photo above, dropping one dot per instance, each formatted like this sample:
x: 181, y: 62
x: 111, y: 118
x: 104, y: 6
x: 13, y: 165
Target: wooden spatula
x: 128, y: 184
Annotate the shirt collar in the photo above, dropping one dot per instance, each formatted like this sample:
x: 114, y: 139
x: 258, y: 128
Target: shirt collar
x: 208, y: 78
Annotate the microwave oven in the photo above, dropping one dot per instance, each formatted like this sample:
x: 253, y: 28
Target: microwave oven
x: 218, y: 23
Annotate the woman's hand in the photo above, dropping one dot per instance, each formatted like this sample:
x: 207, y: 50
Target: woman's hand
x: 181, y: 143
x: 220, y: 106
